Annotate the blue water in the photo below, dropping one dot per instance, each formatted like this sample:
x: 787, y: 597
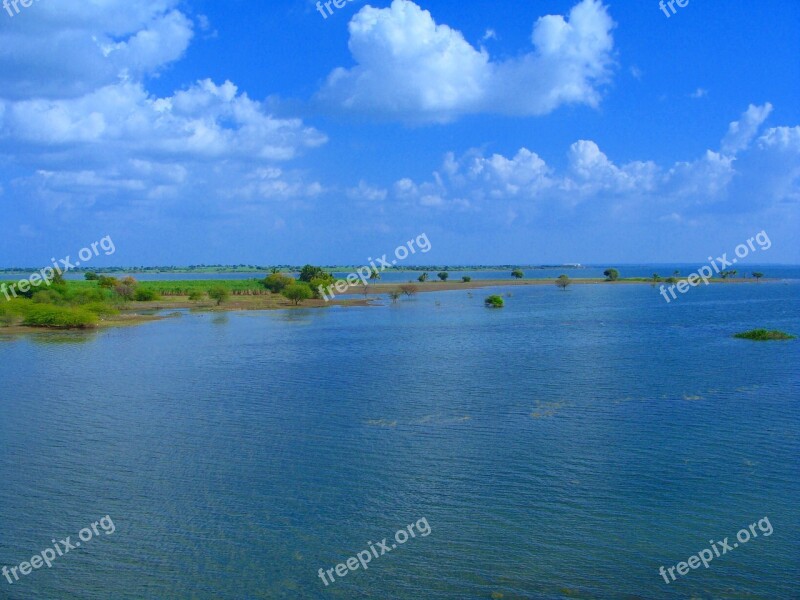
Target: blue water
x: 566, y: 446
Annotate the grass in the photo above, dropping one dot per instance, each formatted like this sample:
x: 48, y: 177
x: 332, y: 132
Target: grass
x: 58, y: 317
x: 764, y: 335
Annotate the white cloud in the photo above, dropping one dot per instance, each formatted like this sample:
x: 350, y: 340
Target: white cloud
x: 366, y: 192
x: 768, y: 173
x: 412, y: 68
x: 699, y: 93
x: 742, y: 132
x: 62, y: 49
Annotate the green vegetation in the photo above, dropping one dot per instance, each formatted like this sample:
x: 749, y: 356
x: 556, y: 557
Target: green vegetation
x: 297, y: 292
x: 563, y: 282
x: 466, y: 279
x: 276, y: 283
x: 518, y: 273
x: 219, y: 293
x: 423, y: 278
x: 59, y: 317
x: 494, y: 302
x: 764, y: 335
x: 611, y: 274
x: 443, y: 275
x: 758, y: 275
x: 409, y: 290
x: 394, y: 295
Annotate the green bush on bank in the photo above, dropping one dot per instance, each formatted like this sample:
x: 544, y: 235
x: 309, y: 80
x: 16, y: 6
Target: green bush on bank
x: 58, y: 317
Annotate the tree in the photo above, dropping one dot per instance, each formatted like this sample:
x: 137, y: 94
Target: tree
x: 395, y: 296
x: 297, y: 292
x: 656, y: 278
x: 676, y: 273
x: 126, y: 289
x: 466, y: 279
x: 310, y: 272
x: 494, y: 302
x: 196, y: 295
x: 423, y: 278
x: 219, y: 293
x: 408, y: 290
x: 517, y: 273
x: 276, y: 283
x: 443, y: 275
x: 375, y: 275
x: 107, y: 282
x: 90, y: 276
x: 758, y: 275
x: 611, y: 274
x: 563, y: 281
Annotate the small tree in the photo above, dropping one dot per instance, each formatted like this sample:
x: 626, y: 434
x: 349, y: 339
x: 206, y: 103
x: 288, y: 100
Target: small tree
x: 408, y: 290
x: 90, y: 276
x: 443, y: 275
x: 310, y: 272
x: 517, y: 273
x: 375, y: 275
x: 196, y: 295
x: 563, y: 281
x: 219, y: 293
x: 297, y: 292
x: 276, y: 283
x: 466, y: 279
x: 656, y: 278
x: 494, y: 302
x: 395, y: 296
x: 611, y: 274
x: 423, y: 278
x: 758, y: 275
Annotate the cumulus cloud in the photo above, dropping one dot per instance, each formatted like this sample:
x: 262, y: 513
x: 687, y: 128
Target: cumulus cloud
x: 64, y: 49
x: 80, y: 123
x: 412, y: 68
x: 742, y: 132
x: 766, y: 172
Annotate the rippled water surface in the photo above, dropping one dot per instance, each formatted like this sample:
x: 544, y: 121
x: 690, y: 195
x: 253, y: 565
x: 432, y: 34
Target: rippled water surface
x: 566, y: 446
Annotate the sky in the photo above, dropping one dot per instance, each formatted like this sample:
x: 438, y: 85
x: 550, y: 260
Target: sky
x: 508, y: 132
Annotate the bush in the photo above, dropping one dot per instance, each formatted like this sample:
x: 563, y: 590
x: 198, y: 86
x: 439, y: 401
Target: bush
x: 466, y: 279
x: 196, y: 295
x: 611, y: 274
x: 763, y: 335
x: 494, y: 302
x: 517, y: 273
x: 409, y: 290
x: 219, y: 293
x: 145, y: 295
x: 276, y: 283
x: 297, y: 292
x: 443, y: 275
x: 57, y: 317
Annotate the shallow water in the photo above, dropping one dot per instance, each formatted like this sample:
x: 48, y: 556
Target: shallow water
x: 567, y: 445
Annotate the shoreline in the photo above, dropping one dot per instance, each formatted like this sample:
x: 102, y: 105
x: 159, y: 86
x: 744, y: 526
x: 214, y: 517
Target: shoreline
x: 133, y: 315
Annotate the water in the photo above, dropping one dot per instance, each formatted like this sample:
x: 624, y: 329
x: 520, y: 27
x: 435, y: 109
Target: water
x: 566, y: 446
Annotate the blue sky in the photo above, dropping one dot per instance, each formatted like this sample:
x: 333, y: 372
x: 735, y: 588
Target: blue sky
x: 508, y: 132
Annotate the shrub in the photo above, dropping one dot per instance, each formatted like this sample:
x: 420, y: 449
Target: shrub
x: 443, y: 275
x: 219, y: 293
x: 277, y: 282
x: 297, y: 292
x: 763, y: 335
x: 409, y: 290
x: 517, y: 273
x: 563, y: 281
x: 145, y: 295
x: 611, y: 274
x: 466, y: 279
x: 58, y: 317
x: 494, y: 302
x: 196, y: 295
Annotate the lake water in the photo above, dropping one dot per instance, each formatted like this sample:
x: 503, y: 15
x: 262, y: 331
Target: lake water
x: 566, y: 446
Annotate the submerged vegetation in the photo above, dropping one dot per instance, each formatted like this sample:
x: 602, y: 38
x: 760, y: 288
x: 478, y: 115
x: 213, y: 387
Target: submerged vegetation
x: 764, y: 335
x: 494, y: 302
